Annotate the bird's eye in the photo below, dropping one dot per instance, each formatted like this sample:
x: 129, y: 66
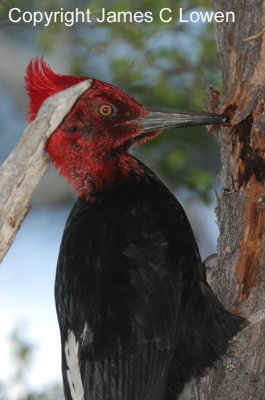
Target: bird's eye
x: 105, y: 109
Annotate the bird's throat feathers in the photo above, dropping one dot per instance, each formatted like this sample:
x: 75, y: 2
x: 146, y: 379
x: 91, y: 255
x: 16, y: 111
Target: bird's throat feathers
x: 87, y: 166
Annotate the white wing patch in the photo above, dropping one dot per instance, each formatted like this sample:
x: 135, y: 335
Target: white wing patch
x: 73, y: 372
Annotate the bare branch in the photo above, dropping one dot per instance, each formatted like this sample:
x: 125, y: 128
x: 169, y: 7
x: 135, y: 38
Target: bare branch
x: 254, y: 37
x: 24, y: 167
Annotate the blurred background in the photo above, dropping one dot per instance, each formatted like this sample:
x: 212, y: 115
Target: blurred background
x: 160, y: 64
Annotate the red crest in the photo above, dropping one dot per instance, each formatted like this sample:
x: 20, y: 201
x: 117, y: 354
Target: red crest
x: 42, y: 82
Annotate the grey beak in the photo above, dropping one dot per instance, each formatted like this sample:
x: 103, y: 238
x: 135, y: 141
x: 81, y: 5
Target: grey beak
x: 169, y: 118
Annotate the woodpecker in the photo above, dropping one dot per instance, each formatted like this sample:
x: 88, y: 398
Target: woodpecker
x: 137, y: 318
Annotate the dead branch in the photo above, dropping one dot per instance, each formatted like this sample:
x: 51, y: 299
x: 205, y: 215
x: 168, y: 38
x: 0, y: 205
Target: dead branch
x: 24, y: 167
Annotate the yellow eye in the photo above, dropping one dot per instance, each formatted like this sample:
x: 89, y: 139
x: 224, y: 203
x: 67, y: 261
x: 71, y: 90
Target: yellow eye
x: 105, y: 109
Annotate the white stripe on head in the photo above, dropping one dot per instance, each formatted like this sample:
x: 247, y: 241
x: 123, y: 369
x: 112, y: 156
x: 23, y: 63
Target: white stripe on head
x: 73, y: 372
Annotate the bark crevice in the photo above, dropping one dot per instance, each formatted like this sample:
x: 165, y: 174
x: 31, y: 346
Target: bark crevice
x: 239, y: 278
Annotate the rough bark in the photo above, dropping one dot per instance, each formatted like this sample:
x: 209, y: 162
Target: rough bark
x: 24, y: 167
x: 239, y: 276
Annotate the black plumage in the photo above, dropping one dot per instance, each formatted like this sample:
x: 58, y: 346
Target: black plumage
x: 131, y: 288
x: 136, y: 315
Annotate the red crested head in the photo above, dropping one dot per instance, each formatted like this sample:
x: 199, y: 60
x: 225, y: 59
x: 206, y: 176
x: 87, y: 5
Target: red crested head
x: 91, y: 145
x: 42, y: 82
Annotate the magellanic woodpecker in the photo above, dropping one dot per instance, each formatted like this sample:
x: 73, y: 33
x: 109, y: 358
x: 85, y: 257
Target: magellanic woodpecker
x: 136, y: 315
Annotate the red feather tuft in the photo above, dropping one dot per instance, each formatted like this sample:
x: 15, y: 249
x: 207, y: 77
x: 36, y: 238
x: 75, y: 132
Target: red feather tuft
x: 42, y: 82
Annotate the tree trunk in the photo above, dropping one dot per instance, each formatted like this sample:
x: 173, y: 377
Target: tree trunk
x: 238, y: 279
